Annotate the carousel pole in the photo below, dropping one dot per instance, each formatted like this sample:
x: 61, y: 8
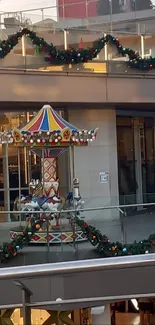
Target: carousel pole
x: 29, y: 169
x: 72, y: 166
x: 43, y: 171
x: 25, y: 165
x: 19, y: 184
x: 72, y: 176
x: 6, y: 179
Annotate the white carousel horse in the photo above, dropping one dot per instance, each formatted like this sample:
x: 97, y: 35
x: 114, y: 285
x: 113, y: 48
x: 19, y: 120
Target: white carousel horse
x: 49, y: 204
x: 36, y: 201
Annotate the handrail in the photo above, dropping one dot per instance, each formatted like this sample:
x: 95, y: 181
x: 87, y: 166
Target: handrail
x: 77, y: 266
x: 107, y: 207
x: 81, y: 73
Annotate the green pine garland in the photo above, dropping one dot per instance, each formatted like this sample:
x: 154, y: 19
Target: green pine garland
x: 75, y: 56
x: 10, y: 249
x: 113, y: 249
x: 101, y: 242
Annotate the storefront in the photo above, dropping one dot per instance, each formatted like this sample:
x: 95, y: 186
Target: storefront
x: 136, y: 159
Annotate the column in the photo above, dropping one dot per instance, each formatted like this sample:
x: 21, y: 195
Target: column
x: 96, y: 165
x: 101, y: 315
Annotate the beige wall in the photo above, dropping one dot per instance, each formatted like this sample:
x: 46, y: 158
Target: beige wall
x: 74, y: 87
x: 100, y: 156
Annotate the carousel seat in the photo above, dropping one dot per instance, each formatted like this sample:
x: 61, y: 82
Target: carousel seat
x: 40, y: 200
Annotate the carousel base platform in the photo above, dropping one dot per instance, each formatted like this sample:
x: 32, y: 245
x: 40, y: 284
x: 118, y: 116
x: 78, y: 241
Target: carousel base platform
x: 56, y: 235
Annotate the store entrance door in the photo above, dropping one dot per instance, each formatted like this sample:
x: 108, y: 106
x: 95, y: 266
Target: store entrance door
x: 136, y: 163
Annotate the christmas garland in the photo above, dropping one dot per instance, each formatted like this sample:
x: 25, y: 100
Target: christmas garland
x: 102, y: 243
x: 73, y: 56
x: 10, y: 249
x: 113, y: 249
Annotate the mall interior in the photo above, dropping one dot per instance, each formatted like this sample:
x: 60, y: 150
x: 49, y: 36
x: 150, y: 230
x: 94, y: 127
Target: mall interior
x: 69, y: 283
x: 134, y: 146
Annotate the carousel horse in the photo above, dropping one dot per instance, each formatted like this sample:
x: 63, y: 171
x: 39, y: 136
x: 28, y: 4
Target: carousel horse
x: 44, y: 203
x: 38, y: 201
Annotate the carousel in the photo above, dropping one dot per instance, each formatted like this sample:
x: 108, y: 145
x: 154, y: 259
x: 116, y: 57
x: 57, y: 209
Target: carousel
x: 46, y: 137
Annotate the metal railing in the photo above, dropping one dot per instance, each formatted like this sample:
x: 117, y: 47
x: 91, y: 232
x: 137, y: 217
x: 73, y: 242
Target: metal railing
x: 71, y: 214
x: 76, y: 266
x: 60, y: 269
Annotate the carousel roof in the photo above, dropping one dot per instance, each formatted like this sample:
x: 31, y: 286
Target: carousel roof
x: 49, y: 129
x: 47, y: 120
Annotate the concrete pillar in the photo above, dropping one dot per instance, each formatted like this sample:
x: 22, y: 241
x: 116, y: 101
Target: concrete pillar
x: 96, y: 165
x: 101, y: 315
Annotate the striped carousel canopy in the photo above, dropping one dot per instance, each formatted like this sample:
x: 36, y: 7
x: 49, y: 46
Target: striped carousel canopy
x: 47, y: 120
x: 49, y: 129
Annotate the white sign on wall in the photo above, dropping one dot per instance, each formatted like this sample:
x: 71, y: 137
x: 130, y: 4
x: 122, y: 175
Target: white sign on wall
x: 104, y: 177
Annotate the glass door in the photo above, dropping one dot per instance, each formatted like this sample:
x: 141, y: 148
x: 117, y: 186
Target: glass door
x: 126, y: 160
x: 148, y: 162
x: 136, y: 159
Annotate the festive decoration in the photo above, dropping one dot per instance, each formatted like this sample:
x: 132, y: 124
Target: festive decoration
x: 8, y: 250
x: 103, y: 244
x: 81, y: 55
x: 49, y: 129
x: 111, y: 249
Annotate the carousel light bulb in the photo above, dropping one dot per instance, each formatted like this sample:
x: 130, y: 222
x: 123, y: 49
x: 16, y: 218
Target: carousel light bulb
x: 77, y: 140
x: 85, y: 131
x: 56, y: 140
x: 80, y: 132
x: 93, y: 138
x: 31, y: 140
x: 48, y: 133
x: 25, y: 141
x: 40, y: 132
x: 22, y: 138
x: 38, y: 140
x: 50, y: 140
x: 73, y: 139
x: 59, y: 137
x: 43, y: 140
x: 81, y: 140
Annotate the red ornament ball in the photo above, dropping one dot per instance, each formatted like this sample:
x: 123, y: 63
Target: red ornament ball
x: 10, y: 247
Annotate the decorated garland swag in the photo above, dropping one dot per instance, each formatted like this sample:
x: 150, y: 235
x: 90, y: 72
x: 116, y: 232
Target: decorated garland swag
x: 101, y: 242
x: 75, y: 56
